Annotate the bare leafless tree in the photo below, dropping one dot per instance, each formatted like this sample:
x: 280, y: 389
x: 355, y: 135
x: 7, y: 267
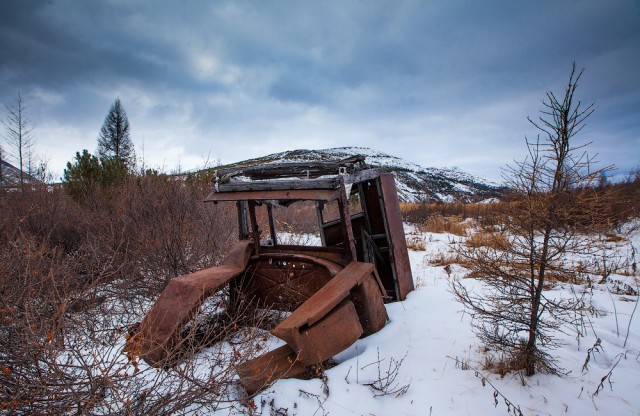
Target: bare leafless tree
x: 18, y: 135
x: 554, y: 204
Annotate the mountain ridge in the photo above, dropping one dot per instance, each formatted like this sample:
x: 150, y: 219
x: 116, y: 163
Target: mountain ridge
x: 414, y: 182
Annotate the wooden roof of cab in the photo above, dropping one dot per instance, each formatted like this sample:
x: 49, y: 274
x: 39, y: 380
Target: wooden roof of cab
x: 290, y: 181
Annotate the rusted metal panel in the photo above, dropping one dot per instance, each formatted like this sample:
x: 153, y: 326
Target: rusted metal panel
x: 332, y: 333
x: 400, y: 255
x: 158, y: 333
x: 332, y: 319
x: 255, y: 231
x: 243, y: 225
x: 331, y: 266
x: 367, y: 298
x: 327, y: 297
x: 333, y: 234
x: 285, y: 281
x: 371, y: 202
x: 272, y: 225
x: 339, y: 326
x: 375, y: 241
x: 260, y: 372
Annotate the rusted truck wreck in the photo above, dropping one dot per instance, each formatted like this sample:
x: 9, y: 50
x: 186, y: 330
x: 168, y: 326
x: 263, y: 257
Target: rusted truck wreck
x: 335, y: 290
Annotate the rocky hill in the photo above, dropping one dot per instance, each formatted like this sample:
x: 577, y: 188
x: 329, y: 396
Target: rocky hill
x: 415, y: 183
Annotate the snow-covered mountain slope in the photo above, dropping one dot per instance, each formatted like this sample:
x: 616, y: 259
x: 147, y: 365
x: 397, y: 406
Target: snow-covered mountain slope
x: 415, y: 183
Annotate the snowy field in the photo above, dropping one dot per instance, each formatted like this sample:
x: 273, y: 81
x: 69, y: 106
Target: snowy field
x: 426, y: 360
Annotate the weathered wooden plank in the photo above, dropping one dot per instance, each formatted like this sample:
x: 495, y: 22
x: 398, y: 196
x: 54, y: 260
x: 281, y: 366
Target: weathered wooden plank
x: 362, y: 175
x: 278, y: 185
x: 284, y: 195
x: 345, y: 217
x: 288, y: 169
x: 275, y: 184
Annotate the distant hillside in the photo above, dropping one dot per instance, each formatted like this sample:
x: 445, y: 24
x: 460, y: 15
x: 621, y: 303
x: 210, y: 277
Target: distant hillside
x: 415, y: 183
x: 10, y: 176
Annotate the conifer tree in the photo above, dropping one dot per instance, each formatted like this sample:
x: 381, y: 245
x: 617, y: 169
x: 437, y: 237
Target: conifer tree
x: 114, y: 140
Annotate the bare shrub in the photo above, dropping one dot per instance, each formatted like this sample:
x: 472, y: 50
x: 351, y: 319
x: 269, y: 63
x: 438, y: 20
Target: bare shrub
x: 175, y: 232
x: 464, y: 364
x: 74, y: 277
x: 40, y: 288
x: 385, y: 383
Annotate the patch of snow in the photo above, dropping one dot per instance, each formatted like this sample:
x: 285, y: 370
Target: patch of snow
x: 427, y: 333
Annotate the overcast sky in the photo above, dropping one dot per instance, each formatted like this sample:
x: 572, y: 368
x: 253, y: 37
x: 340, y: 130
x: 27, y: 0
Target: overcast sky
x: 439, y: 83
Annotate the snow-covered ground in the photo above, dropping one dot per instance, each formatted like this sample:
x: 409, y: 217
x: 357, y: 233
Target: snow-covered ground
x: 429, y: 348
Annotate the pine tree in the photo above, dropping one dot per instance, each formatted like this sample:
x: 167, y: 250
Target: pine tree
x: 114, y: 140
x: 87, y: 174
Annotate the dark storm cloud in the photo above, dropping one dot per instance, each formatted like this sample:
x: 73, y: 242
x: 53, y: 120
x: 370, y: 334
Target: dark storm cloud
x: 421, y: 80
x: 42, y: 49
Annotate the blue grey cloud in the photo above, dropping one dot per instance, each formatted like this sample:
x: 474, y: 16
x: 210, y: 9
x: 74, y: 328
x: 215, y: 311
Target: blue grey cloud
x: 438, y: 83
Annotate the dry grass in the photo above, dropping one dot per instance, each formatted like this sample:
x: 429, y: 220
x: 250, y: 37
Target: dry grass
x: 446, y: 259
x: 503, y: 365
x: 618, y: 203
x: 554, y: 276
x: 611, y: 237
x: 484, y: 214
x: 416, y: 243
x: 487, y: 239
x: 440, y: 224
